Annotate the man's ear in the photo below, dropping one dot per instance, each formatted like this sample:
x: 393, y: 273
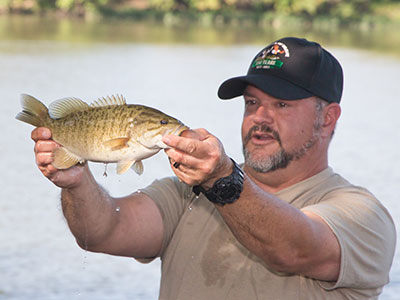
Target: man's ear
x: 331, y: 115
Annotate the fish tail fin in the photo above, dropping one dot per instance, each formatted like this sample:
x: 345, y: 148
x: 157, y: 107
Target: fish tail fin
x: 33, y: 111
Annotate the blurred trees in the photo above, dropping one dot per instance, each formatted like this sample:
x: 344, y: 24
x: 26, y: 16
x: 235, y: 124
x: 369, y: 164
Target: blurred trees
x: 343, y: 9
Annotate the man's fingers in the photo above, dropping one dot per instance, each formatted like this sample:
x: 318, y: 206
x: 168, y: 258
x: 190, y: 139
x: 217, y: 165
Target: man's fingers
x: 48, y: 170
x: 181, y: 158
x: 187, y: 175
x: 44, y: 158
x: 188, y: 141
x: 45, y: 146
x: 186, y: 145
x: 197, y: 134
x: 41, y: 133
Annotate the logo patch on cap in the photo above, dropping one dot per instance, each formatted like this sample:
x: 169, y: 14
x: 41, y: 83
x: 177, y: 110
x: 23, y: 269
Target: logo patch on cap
x: 270, y: 58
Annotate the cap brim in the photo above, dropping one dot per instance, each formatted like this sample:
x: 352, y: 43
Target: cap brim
x: 274, y: 86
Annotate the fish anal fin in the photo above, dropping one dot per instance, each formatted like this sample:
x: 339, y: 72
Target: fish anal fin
x: 123, y: 166
x: 117, y: 143
x: 63, y: 107
x: 64, y: 159
x: 109, y: 100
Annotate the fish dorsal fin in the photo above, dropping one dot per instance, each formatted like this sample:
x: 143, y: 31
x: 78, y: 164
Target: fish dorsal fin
x: 63, y: 107
x: 109, y: 100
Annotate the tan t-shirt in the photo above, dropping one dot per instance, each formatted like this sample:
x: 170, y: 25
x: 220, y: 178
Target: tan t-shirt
x: 201, y: 259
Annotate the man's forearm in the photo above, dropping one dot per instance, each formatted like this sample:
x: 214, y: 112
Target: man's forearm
x: 282, y: 236
x: 262, y: 223
x: 89, y: 211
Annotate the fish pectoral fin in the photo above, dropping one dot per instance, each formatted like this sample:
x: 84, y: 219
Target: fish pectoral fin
x: 117, y: 144
x: 64, y: 159
x: 138, y: 167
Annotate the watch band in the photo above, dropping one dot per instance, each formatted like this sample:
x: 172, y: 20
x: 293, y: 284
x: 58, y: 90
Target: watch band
x: 225, y: 190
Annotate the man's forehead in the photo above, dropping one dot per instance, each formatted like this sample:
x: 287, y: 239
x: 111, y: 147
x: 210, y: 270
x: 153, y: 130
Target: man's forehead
x: 252, y: 91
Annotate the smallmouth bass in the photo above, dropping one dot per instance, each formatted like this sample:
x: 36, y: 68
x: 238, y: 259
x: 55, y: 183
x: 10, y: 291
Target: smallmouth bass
x: 109, y: 130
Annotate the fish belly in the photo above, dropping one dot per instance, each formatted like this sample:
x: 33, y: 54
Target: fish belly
x: 135, y: 152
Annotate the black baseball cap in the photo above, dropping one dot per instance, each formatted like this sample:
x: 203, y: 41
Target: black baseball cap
x: 290, y: 69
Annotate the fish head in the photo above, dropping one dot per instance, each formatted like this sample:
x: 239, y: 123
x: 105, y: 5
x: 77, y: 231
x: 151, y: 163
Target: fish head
x: 155, y: 126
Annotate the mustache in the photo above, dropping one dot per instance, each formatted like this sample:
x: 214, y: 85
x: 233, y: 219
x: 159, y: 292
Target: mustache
x: 262, y: 128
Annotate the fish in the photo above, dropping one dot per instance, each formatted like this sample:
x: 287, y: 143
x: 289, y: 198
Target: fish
x: 108, y: 130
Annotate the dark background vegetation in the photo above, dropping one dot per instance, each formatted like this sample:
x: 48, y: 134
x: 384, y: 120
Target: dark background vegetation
x: 260, y: 12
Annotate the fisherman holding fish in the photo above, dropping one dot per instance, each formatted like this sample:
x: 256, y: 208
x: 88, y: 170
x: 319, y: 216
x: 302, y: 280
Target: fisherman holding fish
x: 282, y: 225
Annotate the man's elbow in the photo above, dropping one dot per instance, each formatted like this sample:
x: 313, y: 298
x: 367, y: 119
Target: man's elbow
x: 296, y: 263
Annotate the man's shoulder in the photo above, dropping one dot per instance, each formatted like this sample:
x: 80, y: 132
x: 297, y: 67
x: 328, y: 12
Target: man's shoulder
x: 168, y: 183
x: 321, y: 187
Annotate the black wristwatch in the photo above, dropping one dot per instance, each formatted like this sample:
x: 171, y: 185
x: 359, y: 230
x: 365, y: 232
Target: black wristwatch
x: 225, y: 190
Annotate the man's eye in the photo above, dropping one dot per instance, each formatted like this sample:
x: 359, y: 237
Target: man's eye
x: 282, y: 104
x: 250, y: 102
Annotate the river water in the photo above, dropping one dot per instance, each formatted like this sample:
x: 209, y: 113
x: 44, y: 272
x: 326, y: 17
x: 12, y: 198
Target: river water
x: 179, y: 75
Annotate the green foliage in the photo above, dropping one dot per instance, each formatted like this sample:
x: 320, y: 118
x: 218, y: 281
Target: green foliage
x: 209, y: 10
x: 65, y: 5
x: 164, y: 5
x: 205, y: 5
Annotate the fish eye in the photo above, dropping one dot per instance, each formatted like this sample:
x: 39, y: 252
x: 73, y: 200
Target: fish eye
x: 164, y: 122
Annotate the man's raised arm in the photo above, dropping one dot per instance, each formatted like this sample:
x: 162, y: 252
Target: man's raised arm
x: 128, y: 226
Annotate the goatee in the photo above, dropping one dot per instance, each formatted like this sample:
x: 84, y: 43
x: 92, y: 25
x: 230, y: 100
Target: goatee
x: 282, y: 158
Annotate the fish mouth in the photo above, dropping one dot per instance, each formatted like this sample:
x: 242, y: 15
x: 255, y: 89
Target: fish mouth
x: 180, y: 129
x: 174, y: 131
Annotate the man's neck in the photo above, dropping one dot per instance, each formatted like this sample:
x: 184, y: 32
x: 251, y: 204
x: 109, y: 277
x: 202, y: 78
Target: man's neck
x: 280, y: 179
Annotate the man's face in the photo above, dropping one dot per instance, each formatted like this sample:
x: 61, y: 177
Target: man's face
x: 276, y: 132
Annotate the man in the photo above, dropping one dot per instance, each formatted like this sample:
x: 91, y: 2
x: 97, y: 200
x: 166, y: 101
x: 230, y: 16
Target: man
x: 282, y: 226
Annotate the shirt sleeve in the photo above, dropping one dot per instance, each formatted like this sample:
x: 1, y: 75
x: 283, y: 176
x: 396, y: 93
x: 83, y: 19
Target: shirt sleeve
x: 170, y: 196
x: 366, y: 234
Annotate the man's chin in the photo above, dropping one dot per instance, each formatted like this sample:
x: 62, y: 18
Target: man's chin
x: 262, y: 151
x: 263, y: 163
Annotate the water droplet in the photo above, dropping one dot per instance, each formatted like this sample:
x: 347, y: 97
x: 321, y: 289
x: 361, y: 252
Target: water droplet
x: 117, y: 209
x: 139, y: 191
x: 105, y: 170
x: 190, y: 208
x: 197, y: 197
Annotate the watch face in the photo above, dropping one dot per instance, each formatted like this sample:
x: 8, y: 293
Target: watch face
x: 228, y: 193
x: 225, y: 190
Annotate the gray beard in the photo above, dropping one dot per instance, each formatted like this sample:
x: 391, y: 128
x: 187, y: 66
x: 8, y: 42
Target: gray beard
x: 282, y: 158
x: 279, y: 160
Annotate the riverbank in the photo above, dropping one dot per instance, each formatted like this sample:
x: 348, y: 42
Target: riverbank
x: 346, y: 15
x: 382, y: 39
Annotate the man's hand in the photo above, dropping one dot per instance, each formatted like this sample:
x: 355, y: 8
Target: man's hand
x: 44, y: 147
x: 197, y: 157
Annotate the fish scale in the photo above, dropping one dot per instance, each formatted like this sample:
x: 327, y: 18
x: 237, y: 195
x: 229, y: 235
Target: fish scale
x: 109, y: 130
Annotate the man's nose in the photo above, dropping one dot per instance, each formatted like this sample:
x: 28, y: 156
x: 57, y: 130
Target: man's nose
x: 263, y: 115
